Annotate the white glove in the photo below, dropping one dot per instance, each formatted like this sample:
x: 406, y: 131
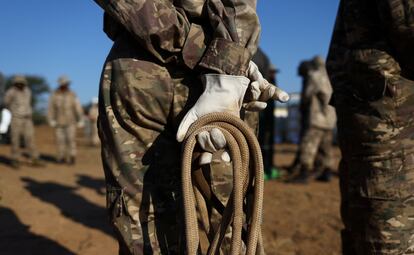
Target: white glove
x: 260, y: 90
x: 52, y: 123
x: 222, y: 93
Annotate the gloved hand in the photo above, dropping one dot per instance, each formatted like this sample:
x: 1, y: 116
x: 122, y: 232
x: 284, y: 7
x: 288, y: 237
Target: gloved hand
x: 260, y: 90
x: 222, y: 93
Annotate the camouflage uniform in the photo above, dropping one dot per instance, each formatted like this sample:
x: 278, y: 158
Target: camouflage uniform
x: 64, y: 113
x: 318, y: 121
x: 150, y: 80
x: 371, y: 65
x: 18, y: 101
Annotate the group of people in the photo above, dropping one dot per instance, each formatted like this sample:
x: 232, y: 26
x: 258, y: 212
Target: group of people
x: 65, y: 114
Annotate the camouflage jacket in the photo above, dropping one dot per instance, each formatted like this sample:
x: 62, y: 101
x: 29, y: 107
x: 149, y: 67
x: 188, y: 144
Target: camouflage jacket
x: 214, y: 34
x: 371, y: 49
x: 64, y: 108
x: 316, y: 97
x: 19, y: 102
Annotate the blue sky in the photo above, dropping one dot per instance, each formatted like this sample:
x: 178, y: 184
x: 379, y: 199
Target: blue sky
x: 54, y: 37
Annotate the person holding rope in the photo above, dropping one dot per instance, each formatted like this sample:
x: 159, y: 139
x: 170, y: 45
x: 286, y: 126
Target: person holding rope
x: 171, y: 63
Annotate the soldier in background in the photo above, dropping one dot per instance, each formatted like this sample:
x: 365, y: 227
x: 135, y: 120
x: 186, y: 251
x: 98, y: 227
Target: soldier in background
x: 318, y: 121
x: 93, y: 119
x: 371, y: 66
x: 18, y: 100
x: 65, y: 114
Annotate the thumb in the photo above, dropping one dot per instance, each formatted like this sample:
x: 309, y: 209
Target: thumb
x: 185, y: 124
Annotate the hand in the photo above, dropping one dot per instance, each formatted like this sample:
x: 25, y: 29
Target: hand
x: 260, y: 90
x: 223, y: 93
x: 212, y: 142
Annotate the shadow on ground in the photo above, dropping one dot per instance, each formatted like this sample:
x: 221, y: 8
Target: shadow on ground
x: 97, y: 184
x: 71, y: 205
x: 29, y: 243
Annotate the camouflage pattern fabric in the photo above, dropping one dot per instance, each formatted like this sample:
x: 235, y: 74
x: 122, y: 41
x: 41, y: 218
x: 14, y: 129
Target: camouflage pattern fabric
x: 371, y: 67
x: 316, y: 143
x: 65, y: 111
x: 64, y: 108
x: 149, y: 82
x: 222, y: 38
x: 18, y: 101
x: 141, y: 105
x: 65, y: 142
x: 22, y: 127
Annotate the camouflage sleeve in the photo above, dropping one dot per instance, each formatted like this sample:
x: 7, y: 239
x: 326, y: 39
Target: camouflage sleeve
x: 236, y: 33
x: 156, y: 24
x: 78, y: 108
x: 225, y: 44
x: 359, y: 53
x: 397, y: 17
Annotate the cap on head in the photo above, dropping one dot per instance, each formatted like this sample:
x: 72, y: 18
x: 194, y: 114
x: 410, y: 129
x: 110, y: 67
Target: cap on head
x: 273, y: 68
x: 19, y: 79
x: 318, y: 61
x: 63, y: 80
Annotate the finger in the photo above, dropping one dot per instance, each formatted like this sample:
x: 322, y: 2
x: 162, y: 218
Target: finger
x: 255, y: 90
x: 185, y: 124
x: 281, y: 95
x: 206, y: 158
x: 218, y: 138
x: 255, y: 106
x: 267, y: 93
x: 225, y: 157
x: 204, y: 139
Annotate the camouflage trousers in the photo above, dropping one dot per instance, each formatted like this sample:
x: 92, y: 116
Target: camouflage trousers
x: 66, y: 141
x: 22, y: 127
x: 316, y: 144
x: 141, y: 105
x: 377, y: 172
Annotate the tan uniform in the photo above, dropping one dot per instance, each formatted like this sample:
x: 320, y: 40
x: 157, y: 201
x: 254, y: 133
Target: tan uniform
x: 18, y: 101
x: 64, y: 112
x: 93, y: 117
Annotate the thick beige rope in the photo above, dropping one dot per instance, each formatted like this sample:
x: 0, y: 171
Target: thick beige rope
x: 247, y: 179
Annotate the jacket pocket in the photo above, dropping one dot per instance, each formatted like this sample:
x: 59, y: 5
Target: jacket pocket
x: 384, y: 179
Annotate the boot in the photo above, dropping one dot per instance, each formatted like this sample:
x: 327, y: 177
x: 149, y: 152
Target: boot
x: 325, y: 176
x: 300, y: 178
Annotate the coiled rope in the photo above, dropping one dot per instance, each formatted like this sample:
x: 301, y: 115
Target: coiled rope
x: 243, y: 210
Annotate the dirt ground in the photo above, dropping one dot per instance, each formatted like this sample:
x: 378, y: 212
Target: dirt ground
x: 59, y: 209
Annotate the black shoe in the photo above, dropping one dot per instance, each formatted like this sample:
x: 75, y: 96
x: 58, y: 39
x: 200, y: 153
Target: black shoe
x: 60, y: 161
x: 325, y: 176
x: 301, y: 177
